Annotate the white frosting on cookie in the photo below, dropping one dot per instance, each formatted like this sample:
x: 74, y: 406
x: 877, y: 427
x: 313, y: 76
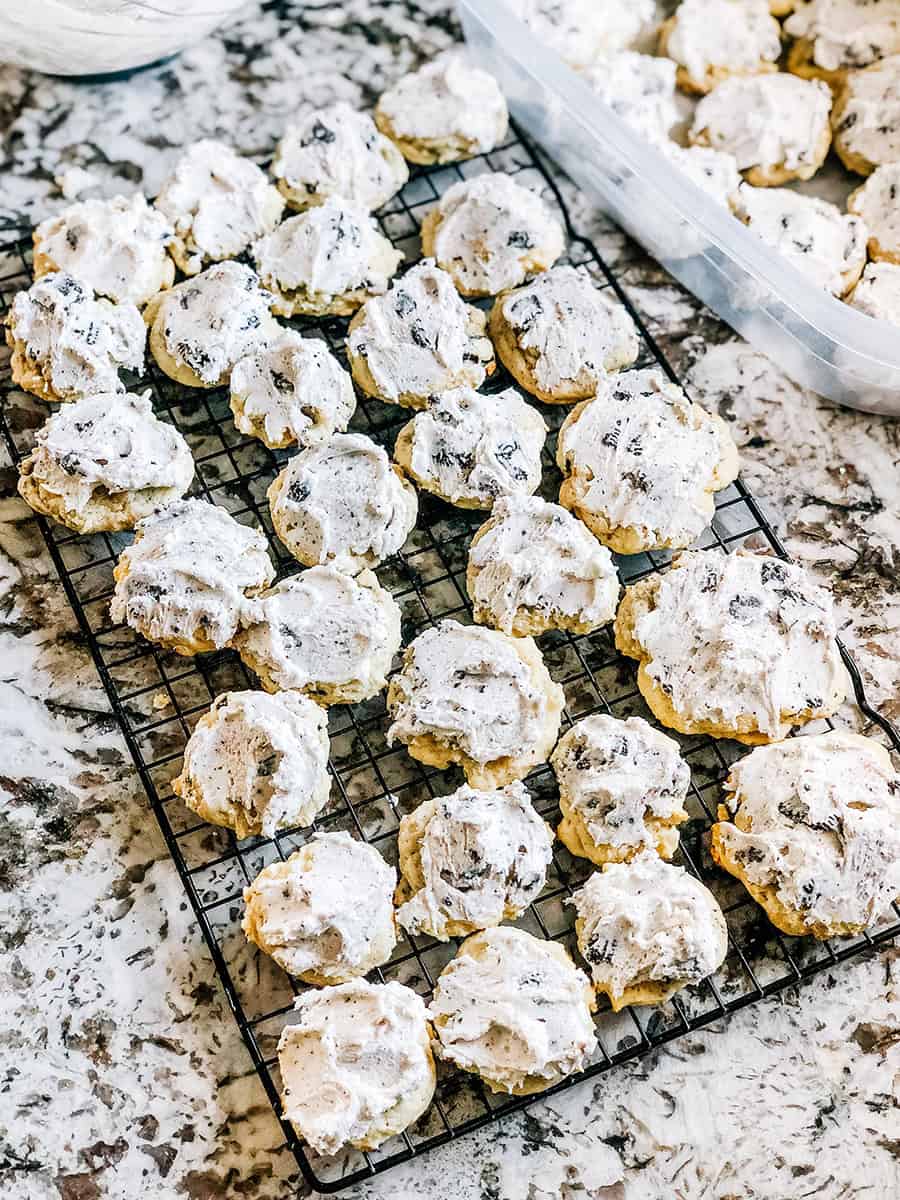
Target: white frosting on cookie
x: 483, y: 857
x: 328, y: 910
x: 472, y: 448
x: 291, y: 390
x: 877, y: 202
x: 513, y: 1008
x: 639, y: 88
x: 813, y: 234
x: 218, y: 202
x: 581, y: 31
x: 878, y: 292
x: 615, y: 774
x: 353, y: 1055
x: 117, y: 246
x: 869, y: 121
x: 337, y: 151
x: 189, y: 568
x: 421, y: 337
x: 847, y: 33
x: 342, y: 503
x: 258, y: 763
x: 741, y: 634
x: 75, y: 342
x: 532, y: 558
x: 648, y: 922
x: 490, y: 229
x: 820, y: 826
x: 736, y: 35
x: 766, y: 120
x: 715, y: 171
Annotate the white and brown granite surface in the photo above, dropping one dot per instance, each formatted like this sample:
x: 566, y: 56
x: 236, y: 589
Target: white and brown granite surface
x: 123, y: 1073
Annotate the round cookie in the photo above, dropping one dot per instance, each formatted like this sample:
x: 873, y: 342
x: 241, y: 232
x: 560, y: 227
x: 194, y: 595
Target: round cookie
x: 470, y: 448
x: 324, y: 633
x: 337, y: 151
x: 257, y: 763
x: 291, y: 391
x: 647, y: 929
x: 776, y: 126
x: 217, y: 202
x: 559, y: 335
x: 325, y: 915
x: 185, y: 579
x: 356, y: 1067
x: 811, y: 827
x: 834, y: 37
x: 342, y: 504
x: 104, y: 463
x: 876, y: 203
x: 515, y: 1010
x: 714, y: 171
x: 533, y: 567
x: 200, y: 328
x: 325, y: 262
x: 738, y: 646
x: 490, y: 233
x: 866, y: 117
x: 622, y: 787
x: 471, y: 860
x: 640, y: 89
x: 66, y: 343
x: 418, y: 339
x: 643, y: 463
x: 445, y: 112
x: 878, y: 292
x: 583, y: 31
x: 475, y: 697
x: 711, y: 40
x: 826, y: 245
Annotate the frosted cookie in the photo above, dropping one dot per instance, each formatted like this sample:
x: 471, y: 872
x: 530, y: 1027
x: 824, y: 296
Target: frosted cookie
x: 66, y: 344
x: 337, y: 151
x: 491, y: 233
x: 325, y: 262
x: 257, y: 763
x: 356, y: 1066
x: 866, y: 117
x: 643, y: 463
x: 622, y: 787
x: 559, y: 335
x: 200, y: 328
x: 878, y: 292
x: 325, y: 915
x: 776, y: 126
x: 470, y: 448
x: 828, y: 246
x: 445, y: 112
x: 640, y: 89
x: 218, y: 202
x: 515, y: 1010
x: 323, y: 633
x: 738, y: 645
x: 475, y: 697
x: 582, y: 31
x: 104, y: 463
x: 419, y: 339
x: 291, y: 391
x: 185, y: 580
x: 834, y: 37
x: 877, y: 204
x: 117, y: 247
x: 710, y: 40
x: 715, y: 171
x: 342, y: 503
x: 811, y: 827
x: 533, y: 567
x: 471, y: 860
x: 647, y: 929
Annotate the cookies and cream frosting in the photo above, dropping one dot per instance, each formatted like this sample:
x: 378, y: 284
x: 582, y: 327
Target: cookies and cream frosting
x: 737, y: 35
x: 817, y: 820
x: 77, y: 343
x: 878, y: 292
x: 343, y: 503
x: 514, y: 1008
x: 218, y: 202
x: 868, y: 121
x: 482, y: 856
x: 639, y: 88
x: 715, y: 171
x: 877, y: 202
x: 648, y: 922
x: 353, y: 1055
x: 117, y: 247
x: 847, y: 33
x: 581, y: 31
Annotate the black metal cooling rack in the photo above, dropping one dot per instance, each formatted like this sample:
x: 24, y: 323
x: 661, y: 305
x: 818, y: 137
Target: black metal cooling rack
x: 157, y: 697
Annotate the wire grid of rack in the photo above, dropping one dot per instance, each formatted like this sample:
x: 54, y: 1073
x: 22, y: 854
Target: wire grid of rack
x: 158, y: 696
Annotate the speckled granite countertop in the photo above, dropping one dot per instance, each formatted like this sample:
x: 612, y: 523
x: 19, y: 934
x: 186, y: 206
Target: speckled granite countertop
x: 123, y: 1073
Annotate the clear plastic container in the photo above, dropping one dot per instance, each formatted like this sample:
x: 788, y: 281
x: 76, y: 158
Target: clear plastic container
x: 818, y: 340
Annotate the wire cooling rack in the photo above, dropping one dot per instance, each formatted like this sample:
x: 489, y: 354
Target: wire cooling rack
x: 158, y: 696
